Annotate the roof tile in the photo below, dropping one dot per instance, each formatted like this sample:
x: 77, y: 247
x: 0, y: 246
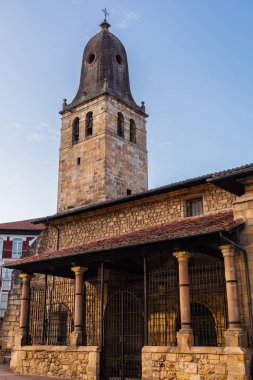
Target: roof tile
x: 22, y: 225
x: 179, y: 228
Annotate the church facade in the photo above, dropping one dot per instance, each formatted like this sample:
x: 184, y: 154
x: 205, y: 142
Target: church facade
x: 126, y: 283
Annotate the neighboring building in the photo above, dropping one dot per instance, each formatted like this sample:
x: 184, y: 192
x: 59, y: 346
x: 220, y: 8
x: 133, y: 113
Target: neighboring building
x: 15, y: 239
x: 133, y: 283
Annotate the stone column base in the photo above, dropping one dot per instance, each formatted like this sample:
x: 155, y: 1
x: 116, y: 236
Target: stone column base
x: 75, y: 339
x: 236, y: 337
x: 185, y: 338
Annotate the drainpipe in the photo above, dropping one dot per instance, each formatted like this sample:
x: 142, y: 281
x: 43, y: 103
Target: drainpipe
x: 246, y: 266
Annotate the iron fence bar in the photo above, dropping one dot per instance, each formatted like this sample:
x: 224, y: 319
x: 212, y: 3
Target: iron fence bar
x: 49, y: 317
x: 28, y: 318
x: 145, y: 302
x: 44, y: 312
x: 84, y: 340
x: 101, y: 303
x: 122, y: 336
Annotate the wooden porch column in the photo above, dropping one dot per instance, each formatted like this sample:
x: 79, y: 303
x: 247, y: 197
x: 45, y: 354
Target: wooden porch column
x: 184, y: 335
x: 76, y: 336
x: 23, y: 323
x: 235, y: 335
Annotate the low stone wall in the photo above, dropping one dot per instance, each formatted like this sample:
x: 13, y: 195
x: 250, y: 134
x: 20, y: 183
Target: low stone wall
x: 61, y: 361
x: 199, y: 363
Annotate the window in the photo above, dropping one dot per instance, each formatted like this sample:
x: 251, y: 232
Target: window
x: 91, y: 58
x: 1, y: 246
x: 89, y: 124
x: 129, y: 191
x: 194, y: 207
x: 132, y: 131
x: 75, y: 130
x: 118, y: 59
x: 120, y: 125
x: 17, y: 247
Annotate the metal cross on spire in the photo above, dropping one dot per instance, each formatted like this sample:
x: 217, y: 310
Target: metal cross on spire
x: 105, y: 13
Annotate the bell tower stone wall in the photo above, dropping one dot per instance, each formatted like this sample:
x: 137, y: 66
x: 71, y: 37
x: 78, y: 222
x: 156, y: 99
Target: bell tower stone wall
x: 104, y: 165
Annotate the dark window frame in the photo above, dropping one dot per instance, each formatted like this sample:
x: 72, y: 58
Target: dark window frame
x: 120, y: 125
x: 194, y: 206
x: 132, y: 131
x: 89, y: 124
x: 75, y: 130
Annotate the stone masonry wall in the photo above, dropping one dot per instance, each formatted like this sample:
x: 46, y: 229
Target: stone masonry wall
x: 54, y: 361
x: 11, y: 317
x: 243, y: 208
x: 199, y: 363
x: 109, y: 164
x: 132, y: 216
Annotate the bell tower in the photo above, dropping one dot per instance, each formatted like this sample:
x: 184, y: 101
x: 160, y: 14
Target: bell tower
x: 103, y: 152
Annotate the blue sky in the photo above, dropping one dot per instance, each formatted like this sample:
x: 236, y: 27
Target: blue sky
x: 190, y: 60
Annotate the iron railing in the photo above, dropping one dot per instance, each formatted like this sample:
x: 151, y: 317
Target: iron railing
x: 208, y: 303
x: 51, y: 312
x: 162, y: 307
x: 123, y: 337
x: 92, y: 307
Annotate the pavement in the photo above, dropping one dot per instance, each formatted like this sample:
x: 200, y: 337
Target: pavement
x: 6, y: 374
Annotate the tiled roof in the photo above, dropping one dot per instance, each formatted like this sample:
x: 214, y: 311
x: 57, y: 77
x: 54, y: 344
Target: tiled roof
x: 240, y: 171
x: 180, y: 228
x: 20, y: 225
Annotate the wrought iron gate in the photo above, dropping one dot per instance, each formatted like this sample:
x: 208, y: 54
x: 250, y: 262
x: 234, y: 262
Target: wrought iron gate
x: 51, y: 312
x: 208, y: 303
x: 123, y: 337
x: 163, y: 307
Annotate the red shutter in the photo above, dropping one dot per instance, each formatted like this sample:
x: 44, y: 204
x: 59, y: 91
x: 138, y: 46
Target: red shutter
x: 7, y: 249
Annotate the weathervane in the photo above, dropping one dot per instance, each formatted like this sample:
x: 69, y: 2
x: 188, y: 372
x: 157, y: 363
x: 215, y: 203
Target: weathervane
x: 105, y: 13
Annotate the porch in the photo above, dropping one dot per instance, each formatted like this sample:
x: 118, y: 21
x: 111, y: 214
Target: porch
x: 153, y: 309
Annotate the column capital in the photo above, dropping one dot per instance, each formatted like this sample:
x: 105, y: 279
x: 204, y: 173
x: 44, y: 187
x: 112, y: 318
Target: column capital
x: 227, y: 250
x: 26, y: 276
x: 182, y: 255
x: 79, y: 270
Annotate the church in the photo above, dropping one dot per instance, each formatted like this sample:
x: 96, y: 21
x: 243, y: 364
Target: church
x: 127, y: 283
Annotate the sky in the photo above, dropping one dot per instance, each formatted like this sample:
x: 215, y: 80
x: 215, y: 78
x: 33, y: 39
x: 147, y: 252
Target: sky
x: 191, y: 61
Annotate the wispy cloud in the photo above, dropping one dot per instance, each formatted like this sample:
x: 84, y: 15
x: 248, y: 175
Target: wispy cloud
x: 17, y: 126
x: 34, y: 133
x: 126, y: 18
x: 162, y: 144
x: 42, y: 131
x: 77, y: 2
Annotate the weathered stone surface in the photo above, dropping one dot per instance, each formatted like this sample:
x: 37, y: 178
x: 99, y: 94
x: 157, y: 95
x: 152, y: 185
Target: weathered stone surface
x: 109, y: 164
x: 53, y: 361
x: 198, y: 363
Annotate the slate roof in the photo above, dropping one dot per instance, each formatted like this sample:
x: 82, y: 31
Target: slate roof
x: 104, y: 70
x: 177, y: 229
x: 26, y: 225
x: 238, y: 172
